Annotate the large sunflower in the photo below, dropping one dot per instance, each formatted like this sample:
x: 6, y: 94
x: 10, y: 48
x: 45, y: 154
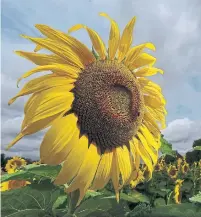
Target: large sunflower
x: 105, y: 114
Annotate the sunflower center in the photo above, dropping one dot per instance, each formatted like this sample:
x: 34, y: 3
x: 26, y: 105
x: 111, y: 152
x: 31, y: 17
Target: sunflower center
x: 108, y: 103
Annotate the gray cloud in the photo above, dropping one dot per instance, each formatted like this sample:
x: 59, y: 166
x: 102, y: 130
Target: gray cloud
x: 173, y: 26
x: 182, y: 132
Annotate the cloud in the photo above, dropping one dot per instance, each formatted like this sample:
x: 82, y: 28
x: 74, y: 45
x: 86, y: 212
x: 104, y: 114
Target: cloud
x: 182, y: 133
x: 173, y: 26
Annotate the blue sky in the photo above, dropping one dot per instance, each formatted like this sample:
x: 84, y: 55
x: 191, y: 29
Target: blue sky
x: 173, y: 26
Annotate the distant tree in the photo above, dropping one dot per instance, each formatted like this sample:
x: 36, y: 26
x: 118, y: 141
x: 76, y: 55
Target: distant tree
x: 193, y: 156
x: 3, y: 160
x: 197, y: 143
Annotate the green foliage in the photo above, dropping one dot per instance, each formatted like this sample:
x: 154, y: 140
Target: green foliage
x: 141, y: 210
x: 173, y: 210
x: 152, y: 198
x: 94, y: 53
x: 196, y: 198
x: 166, y: 148
x: 31, y: 172
x: 31, y: 201
x: 197, y: 143
x: 193, y: 156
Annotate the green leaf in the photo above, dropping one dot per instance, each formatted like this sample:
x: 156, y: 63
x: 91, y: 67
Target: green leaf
x: 135, y: 197
x: 159, y: 202
x: 176, y: 210
x: 93, y: 204
x: 187, y: 185
x: 166, y: 148
x: 91, y: 194
x: 94, y: 53
x: 61, y: 202
x: 196, y: 198
x: 197, y: 148
x: 32, y: 171
x: 34, y: 200
x: 140, y: 210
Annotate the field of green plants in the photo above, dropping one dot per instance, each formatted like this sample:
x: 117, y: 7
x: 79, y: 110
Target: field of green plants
x: 174, y: 190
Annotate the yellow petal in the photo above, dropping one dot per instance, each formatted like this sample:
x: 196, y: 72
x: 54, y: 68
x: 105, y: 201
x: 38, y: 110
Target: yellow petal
x: 146, y: 82
x: 143, y: 59
x: 104, y: 171
x: 34, y: 127
x: 42, y: 83
x: 135, y: 154
x: 124, y: 161
x: 17, y: 138
x: 67, y: 70
x: 41, y: 59
x: 114, y: 37
x: 97, y: 42
x: 115, y: 174
x: 86, y: 172
x: 76, y: 46
x: 64, y: 52
x: 152, y: 101
x: 74, y: 160
x: 158, y: 115
x: 148, y: 148
x: 37, y: 48
x: 59, y: 140
x: 134, y: 53
x: 152, y: 141
x: 126, y: 39
x: 150, y: 90
x: 4, y: 186
x: 154, y: 130
x: 148, y: 71
x: 47, y: 103
x: 144, y: 154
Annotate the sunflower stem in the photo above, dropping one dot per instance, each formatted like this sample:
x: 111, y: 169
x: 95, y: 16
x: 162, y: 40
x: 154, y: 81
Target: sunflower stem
x: 72, y: 202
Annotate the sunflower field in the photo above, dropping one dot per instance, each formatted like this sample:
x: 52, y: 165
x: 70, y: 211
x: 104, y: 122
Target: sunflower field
x: 174, y: 190
x: 104, y: 117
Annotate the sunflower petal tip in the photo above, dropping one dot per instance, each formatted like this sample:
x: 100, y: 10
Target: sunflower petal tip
x: 11, y: 101
x: 18, y: 81
x: 24, y: 36
x: 17, y: 138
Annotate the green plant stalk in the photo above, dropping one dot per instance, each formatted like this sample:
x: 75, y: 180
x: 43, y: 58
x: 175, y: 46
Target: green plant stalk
x: 72, y: 202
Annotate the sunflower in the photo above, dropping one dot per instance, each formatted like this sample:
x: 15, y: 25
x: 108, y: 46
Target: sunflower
x: 179, y: 163
x: 158, y: 167
x: 172, y: 171
x: 185, y: 167
x: 37, y: 162
x: 177, y: 191
x: 15, y: 163
x: 103, y: 112
x: 13, y: 184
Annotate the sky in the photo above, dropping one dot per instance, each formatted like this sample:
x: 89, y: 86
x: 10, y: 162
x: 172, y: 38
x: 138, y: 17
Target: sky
x: 173, y: 26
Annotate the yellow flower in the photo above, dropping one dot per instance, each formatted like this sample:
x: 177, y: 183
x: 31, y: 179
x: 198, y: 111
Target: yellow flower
x: 158, y: 167
x: 14, y: 163
x: 179, y: 163
x: 13, y: 184
x: 37, y: 162
x: 177, y: 191
x: 185, y: 167
x: 138, y: 179
x: 172, y: 171
x: 105, y: 114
